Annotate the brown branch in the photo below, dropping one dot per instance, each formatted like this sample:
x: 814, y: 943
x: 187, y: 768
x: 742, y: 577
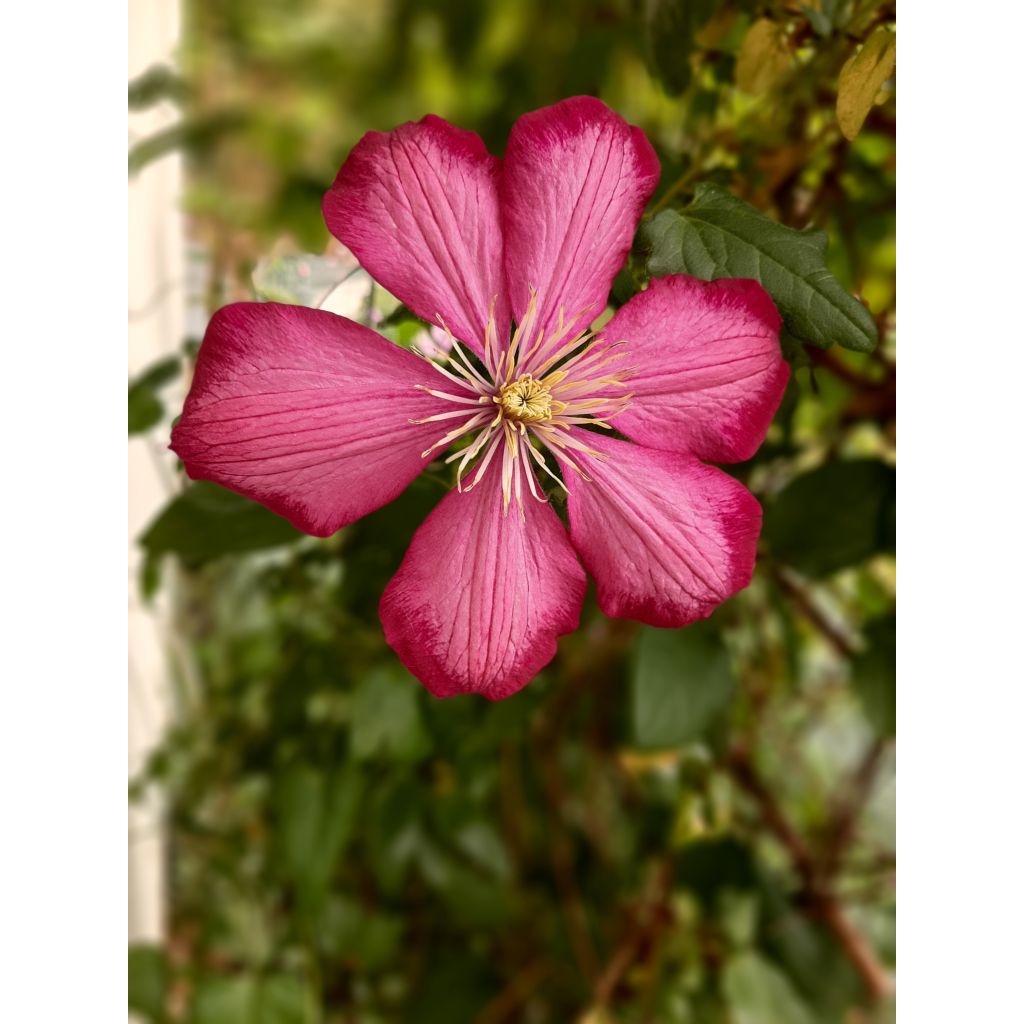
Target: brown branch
x: 810, y: 611
x: 844, y: 819
x: 514, y: 994
x: 821, y: 901
x: 650, y: 917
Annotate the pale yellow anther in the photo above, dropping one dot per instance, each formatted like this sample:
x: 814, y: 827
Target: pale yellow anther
x: 525, y: 400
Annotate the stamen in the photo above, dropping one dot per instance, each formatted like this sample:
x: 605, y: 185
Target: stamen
x: 532, y: 396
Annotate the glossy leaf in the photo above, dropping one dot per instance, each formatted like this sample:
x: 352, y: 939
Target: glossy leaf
x: 718, y: 235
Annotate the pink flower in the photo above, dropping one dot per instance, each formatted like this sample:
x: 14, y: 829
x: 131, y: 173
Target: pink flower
x: 323, y: 421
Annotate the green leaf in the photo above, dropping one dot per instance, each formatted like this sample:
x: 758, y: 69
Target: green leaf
x: 862, y: 77
x: 156, y: 83
x: 315, y: 813
x: 718, y: 235
x: 354, y: 934
x: 249, y: 999
x: 874, y: 675
x: 835, y: 516
x: 681, y: 681
x: 671, y: 26
x: 195, y: 137
x: 759, y: 994
x: 207, y: 521
x: 145, y: 410
x: 147, y: 982
x: 144, y: 406
x: 386, y: 718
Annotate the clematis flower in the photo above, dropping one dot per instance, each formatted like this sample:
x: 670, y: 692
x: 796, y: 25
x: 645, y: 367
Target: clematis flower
x: 323, y: 420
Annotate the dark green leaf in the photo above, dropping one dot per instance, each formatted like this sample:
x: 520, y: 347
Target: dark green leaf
x: 207, y: 521
x: 835, y: 516
x: 193, y: 136
x: 145, y: 410
x: 718, y: 235
x: 147, y: 982
x: 354, y: 934
x: 874, y: 675
x: 156, y: 83
x: 144, y: 406
x: 680, y: 682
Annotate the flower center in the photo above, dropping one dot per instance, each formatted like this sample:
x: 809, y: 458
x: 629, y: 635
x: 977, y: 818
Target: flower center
x: 546, y: 384
x: 525, y: 400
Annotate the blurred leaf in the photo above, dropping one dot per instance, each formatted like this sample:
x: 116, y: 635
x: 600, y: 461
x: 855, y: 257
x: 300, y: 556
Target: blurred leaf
x: 156, y: 83
x: 353, y: 934
x: 144, y: 406
x: 386, y: 718
x: 248, y: 999
x: 808, y: 952
x: 671, y: 26
x: 681, y: 680
x: 718, y: 235
x: 862, y: 77
x: 764, y: 57
x: 207, y: 521
x: 472, y: 899
x: 834, y: 516
x: 147, y: 982
x: 315, y: 814
x: 759, y: 994
x: 874, y: 675
x: 454, y: 988
x: 194, y: 136
x: 145, y: 410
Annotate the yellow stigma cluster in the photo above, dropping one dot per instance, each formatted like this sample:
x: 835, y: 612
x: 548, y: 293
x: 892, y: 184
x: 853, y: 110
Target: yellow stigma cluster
x: 526, y: 400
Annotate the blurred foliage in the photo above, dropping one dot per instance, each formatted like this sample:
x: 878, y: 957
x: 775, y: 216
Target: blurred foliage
x: 666, y: 826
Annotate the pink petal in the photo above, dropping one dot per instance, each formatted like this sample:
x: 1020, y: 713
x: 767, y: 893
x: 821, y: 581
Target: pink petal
x: 306, y: 412
x: 707, y: 371
x: 419, y: 208
x: 666, y: 538
x: 577, y: 178
x: 481, y: 597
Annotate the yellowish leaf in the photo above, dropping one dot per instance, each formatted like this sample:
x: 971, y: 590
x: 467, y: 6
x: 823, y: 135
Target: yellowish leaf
x: 764, y: 57
x: 862, y: 77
